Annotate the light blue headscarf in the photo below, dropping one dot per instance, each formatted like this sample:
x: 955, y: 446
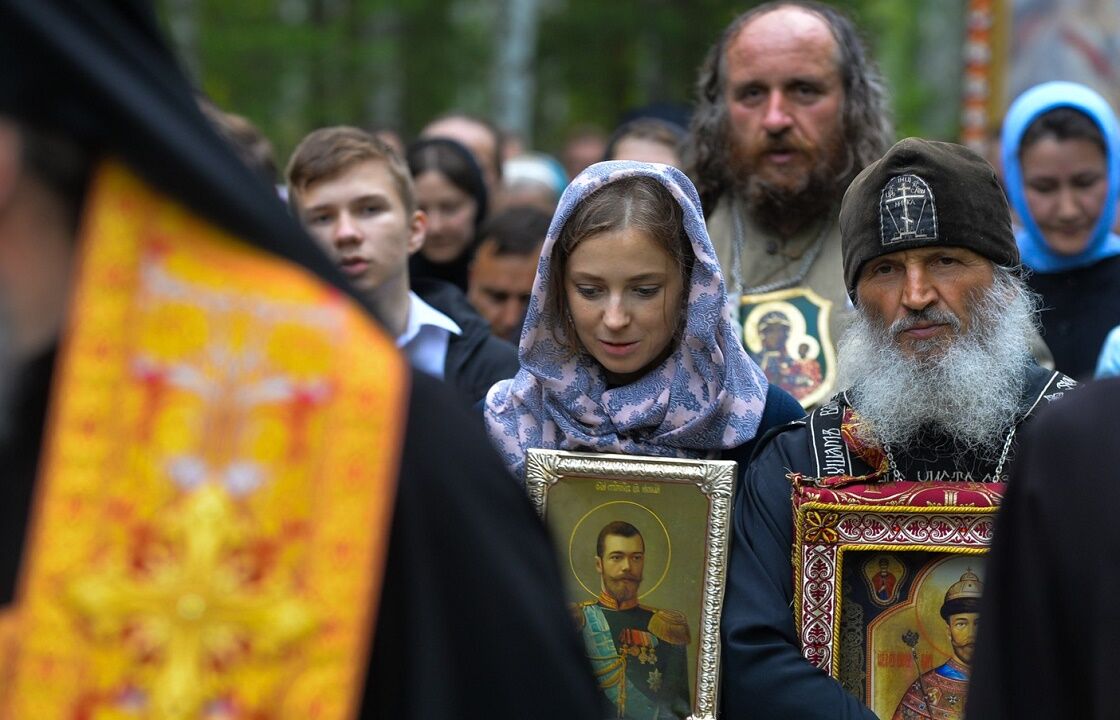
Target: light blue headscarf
x: 1026, y: 108
x: 706, y: 396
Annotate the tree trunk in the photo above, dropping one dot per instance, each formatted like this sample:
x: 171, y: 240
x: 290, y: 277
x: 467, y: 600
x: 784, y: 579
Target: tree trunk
x: 384, y: 99
x: 513, y: 78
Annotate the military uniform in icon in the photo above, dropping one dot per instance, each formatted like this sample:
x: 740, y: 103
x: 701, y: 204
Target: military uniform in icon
x: 940, y: 693
x: 638, y: 655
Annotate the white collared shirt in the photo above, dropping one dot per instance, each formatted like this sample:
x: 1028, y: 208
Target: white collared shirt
x: 424, y: 340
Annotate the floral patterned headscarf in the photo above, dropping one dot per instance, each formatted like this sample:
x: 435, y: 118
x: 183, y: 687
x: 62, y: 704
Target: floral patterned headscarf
x: 708, y: 394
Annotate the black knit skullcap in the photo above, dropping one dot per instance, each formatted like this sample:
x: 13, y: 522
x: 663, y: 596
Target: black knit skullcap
x: 924, y: 193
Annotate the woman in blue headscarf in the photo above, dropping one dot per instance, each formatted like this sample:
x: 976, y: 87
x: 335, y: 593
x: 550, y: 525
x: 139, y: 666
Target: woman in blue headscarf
x: 628, y: 344
x: 1061, y: 159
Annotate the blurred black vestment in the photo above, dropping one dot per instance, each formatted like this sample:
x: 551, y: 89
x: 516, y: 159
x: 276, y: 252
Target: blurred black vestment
x: 473, y: 621
x: 1051, y: 627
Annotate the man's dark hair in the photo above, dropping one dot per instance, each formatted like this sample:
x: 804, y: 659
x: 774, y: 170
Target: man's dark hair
x: 61, y: 164
x: 616, y: 527
x: 517, y: 230
x: 1063, y: 123
x: 866, y: 129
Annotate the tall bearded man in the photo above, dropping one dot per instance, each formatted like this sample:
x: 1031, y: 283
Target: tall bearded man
x: 790, y: 108
x: 939, y: 379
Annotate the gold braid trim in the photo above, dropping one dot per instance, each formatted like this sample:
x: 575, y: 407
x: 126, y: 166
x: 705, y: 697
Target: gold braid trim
x: 670, y: 626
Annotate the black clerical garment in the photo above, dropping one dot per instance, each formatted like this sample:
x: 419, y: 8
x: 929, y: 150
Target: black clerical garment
x: 1047, y: 646
x: 19, y: 456
x: 765, y: 675
x: 473, y: 621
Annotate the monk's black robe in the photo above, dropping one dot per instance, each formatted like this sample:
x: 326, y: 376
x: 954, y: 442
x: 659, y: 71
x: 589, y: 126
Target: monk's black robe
x: 472, y: 622
x: 1047, y: 645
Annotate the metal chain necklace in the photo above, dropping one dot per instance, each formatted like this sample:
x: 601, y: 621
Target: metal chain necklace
x: 739, y: 237
x: 897, y: 476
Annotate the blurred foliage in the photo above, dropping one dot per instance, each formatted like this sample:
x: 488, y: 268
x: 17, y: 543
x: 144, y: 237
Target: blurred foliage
x: 293, y: 65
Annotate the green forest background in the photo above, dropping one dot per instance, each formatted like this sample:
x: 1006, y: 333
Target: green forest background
x: 536, y: 67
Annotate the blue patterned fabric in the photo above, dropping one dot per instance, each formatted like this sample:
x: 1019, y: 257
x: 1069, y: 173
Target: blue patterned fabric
x: 708, y: 395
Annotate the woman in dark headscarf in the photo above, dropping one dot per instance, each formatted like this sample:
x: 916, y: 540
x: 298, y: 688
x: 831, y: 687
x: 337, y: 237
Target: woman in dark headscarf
x: 451, y: 192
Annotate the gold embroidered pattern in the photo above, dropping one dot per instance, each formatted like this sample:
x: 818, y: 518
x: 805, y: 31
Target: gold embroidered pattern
x: 217, y: 483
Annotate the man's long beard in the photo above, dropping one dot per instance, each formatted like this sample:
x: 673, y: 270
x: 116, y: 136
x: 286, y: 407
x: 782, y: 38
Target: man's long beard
x: 967, y: 392
x: 781, y: 208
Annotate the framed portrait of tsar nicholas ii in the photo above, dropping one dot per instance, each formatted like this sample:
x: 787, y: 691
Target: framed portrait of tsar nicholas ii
x: 643, y: 548
x: 887, y: 586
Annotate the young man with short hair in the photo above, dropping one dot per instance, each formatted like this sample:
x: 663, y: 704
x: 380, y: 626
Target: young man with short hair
x: 354, y: 195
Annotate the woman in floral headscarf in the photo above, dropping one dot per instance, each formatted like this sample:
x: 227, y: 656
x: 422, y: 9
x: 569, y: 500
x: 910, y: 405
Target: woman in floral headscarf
x: 628, y: 344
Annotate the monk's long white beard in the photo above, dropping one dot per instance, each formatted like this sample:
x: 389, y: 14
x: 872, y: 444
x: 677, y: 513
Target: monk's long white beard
x: 968, y: 392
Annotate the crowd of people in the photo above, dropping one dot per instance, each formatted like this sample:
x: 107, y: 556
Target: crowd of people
x: 773, y: 280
